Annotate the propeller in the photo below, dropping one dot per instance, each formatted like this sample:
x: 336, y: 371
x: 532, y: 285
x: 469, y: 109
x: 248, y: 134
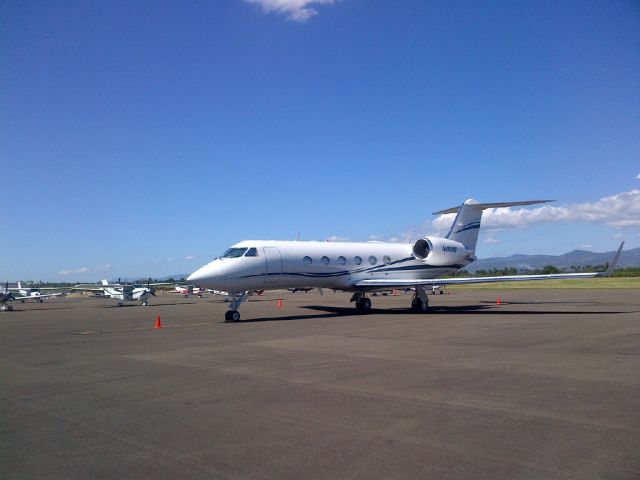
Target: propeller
x: 9, y: 295
x: 152, y: 290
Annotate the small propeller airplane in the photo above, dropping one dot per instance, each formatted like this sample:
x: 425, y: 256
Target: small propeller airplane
x: 123, y: 293
x: 34, y: 293
x: 7, y: 296
x: 187, y: 290
x: 364, y: 267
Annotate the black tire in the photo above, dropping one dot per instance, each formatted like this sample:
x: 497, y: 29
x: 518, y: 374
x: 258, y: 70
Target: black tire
x: 418, y: 306
x: 363, y: 305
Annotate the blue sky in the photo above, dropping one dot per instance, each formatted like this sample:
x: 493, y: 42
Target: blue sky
x: 142, y: 138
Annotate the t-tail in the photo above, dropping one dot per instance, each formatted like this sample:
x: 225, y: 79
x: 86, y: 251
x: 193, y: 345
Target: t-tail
x: 469, y: 215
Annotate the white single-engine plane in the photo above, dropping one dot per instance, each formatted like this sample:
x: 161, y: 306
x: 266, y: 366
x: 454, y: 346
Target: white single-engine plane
x: 361, y: 267
x: 7, y: 296
x: 122, y: 293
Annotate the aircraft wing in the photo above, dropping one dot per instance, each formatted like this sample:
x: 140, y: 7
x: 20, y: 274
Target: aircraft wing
x: 412, y: 282
x: 89, y: 289
x: 35, y: 297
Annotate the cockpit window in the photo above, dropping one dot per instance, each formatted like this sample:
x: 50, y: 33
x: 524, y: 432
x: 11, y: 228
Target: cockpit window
x: 234, y: 252
x: 252, y: 253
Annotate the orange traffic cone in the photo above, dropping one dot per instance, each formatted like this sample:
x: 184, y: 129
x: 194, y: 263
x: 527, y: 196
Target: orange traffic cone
x: 279, y: 303
x: 498, y: 302
x: 158, y: 323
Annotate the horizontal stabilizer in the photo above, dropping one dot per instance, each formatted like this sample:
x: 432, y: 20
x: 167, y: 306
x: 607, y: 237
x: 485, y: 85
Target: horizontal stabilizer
x: 484, y: 206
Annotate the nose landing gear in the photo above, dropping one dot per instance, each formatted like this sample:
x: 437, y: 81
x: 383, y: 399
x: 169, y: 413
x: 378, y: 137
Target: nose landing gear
x: 232, y: 315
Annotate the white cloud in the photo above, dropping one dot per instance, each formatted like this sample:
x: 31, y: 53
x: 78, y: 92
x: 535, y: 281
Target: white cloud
x: 638, y: 177
x: 77, y: 270
x: 297, y: 10
x: 620, y: 210
x: 491, y: 240
x: 585, y: 246
x: 335, y: 238
x: 190, y: 257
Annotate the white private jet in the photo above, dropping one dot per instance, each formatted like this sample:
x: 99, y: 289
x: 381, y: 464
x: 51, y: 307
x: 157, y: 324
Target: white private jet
x: 7, y: 296
x: 123, y: 293
x: 361, y: 267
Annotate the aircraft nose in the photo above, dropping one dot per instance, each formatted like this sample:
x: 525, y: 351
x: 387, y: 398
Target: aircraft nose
x: 207, y: 276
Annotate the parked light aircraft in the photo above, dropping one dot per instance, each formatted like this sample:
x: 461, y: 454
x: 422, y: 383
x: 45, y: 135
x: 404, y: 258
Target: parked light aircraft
x: 362, y: 267
x: 34, y: 293
x: 123, y: 293
x: 7, y: 296
x: 187, y: 290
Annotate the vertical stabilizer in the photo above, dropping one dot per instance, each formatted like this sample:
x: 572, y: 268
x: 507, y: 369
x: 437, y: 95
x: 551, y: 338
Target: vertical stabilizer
x: 466, y: 225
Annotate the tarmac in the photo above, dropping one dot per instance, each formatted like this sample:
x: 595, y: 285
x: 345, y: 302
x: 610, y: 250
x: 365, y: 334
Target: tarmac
x: 544, y: 385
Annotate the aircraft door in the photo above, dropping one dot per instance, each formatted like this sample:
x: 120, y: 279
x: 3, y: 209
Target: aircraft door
x: 274, y: 264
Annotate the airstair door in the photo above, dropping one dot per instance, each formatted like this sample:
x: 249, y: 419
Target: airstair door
x: 274, y: 264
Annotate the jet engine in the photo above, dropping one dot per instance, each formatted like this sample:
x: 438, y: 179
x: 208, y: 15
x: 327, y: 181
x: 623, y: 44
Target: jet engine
x: 441, y: 252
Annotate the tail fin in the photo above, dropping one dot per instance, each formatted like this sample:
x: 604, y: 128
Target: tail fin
x: 467, y: 222
x: 105, y: 282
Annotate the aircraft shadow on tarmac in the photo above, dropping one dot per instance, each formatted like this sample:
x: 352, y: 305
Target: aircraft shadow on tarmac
x: 332, y: 312
x: 129, y: 305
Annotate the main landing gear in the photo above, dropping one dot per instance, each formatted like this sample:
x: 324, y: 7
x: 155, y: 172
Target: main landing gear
x: 363, y: 304
x: 420, y: 302
x: 6, y: 308
x: 232, y: 315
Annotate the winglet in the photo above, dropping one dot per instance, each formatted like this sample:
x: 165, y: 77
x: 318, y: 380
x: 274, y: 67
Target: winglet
x: 613, y: 263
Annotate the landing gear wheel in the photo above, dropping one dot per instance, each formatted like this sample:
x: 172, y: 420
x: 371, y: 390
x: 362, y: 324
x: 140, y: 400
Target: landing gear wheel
x: 418, y: 306
x: 363, y: 305
x: 41, y: 300
x: 4, y: 308
x: 232, y: 316
x: 144, y: 303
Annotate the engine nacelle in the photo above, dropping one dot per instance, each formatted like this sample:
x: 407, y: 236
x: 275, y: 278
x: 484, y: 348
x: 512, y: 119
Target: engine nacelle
x: 441, y: 252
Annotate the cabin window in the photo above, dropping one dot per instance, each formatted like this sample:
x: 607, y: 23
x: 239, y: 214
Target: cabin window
x: 324, y: 260
x: 253, y: 252
x: 357, y: 260
x: 307, y: 260
x: 373, y: 260
x: 234, y: 252
x: 342, y: 260
x: 386, y: 259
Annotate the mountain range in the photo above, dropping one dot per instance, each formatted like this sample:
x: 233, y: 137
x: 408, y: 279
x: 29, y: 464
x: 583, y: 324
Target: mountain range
x: 578, y: 258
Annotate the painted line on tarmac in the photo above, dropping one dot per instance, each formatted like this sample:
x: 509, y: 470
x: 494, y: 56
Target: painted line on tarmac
x: 99, y: 332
